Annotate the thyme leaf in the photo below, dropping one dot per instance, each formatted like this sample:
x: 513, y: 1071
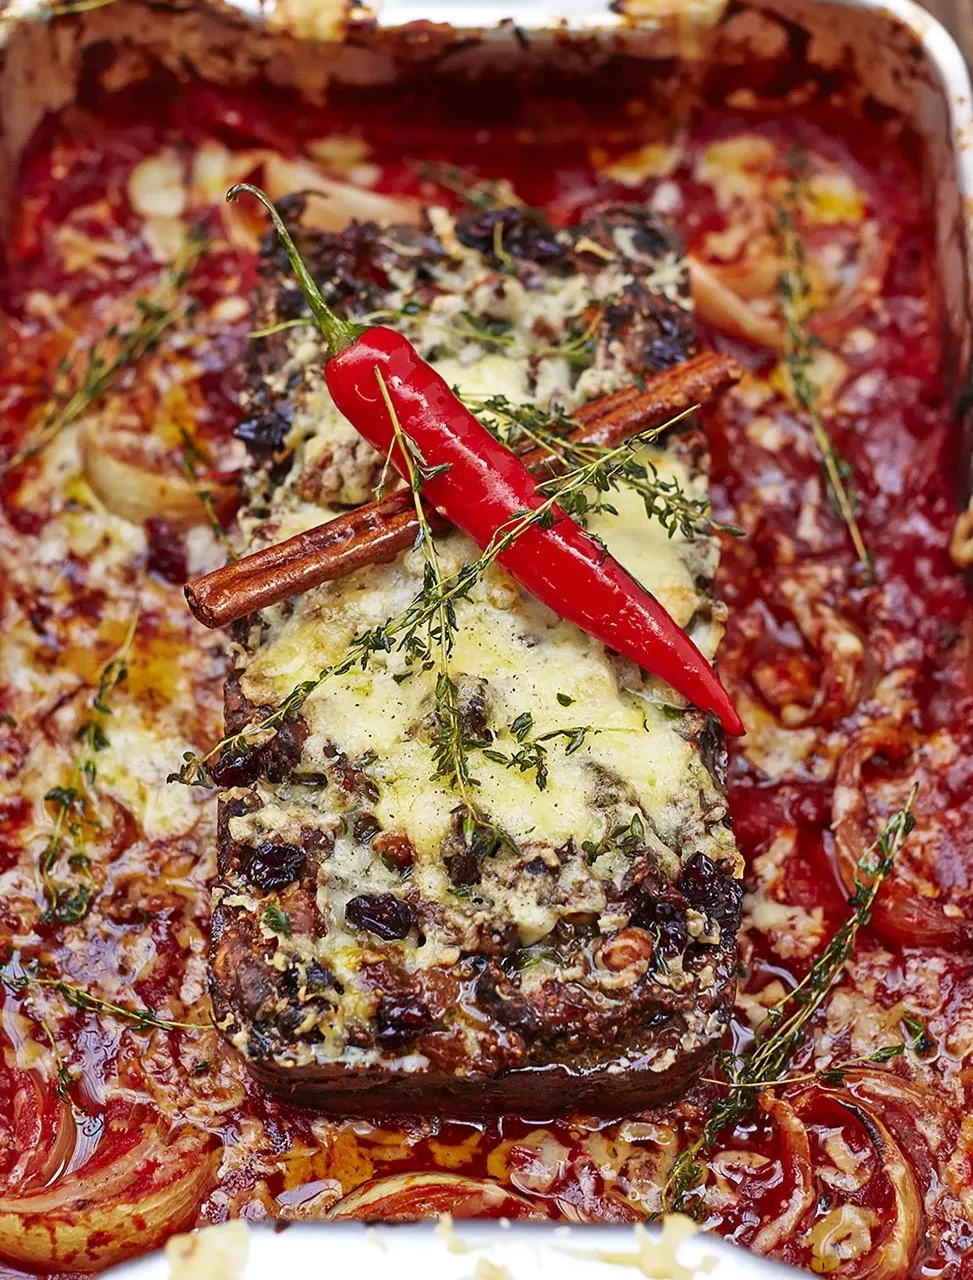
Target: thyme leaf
x: 782, y: 1031
x: 276, y: 919
x: 920, y: 1041
x: 76, y: 391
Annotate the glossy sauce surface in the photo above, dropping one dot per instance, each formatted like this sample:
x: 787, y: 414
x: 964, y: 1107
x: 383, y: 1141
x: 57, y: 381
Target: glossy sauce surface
x: 835, y: 673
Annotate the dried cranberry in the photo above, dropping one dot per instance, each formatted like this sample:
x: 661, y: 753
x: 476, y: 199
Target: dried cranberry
x: 711, y: 891
x: 383, y: 914
x: 266, y: 429
x: 271, y: 866
x: 273, y: 761
x: 236, y: 768
x: 366, y: 827
x: 463, y: 867
x: 505, y: 1004
x: 398, y: 1019
x: 318, y: 978
x: 526, y: 235
x: 283, y: 751
x: 664, y: 921
x: 463, y: 851
x: 166, y: 552
x: 316, y: 841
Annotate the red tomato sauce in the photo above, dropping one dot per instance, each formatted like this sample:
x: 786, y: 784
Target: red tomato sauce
x: 891, y: 422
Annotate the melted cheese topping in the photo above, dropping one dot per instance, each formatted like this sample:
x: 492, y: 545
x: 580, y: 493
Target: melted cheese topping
x: 636, y: 755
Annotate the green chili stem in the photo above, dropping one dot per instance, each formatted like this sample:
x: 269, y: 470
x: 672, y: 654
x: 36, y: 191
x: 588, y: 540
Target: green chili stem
x: 338, y: 333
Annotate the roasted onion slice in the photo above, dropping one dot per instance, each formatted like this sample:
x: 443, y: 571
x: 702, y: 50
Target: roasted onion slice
x: 724, y: 293
x: 846, y: 673
x: 796, y: 1156
x: 900, y: 914
x: 407, y: 1197
x: 134, y: 476
x: 727, y: 311
x: 864, y: 1095
x: 338, y: 203
x: 109, y: 1210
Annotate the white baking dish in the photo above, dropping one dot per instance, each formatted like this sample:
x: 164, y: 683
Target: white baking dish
x: 902, y: 58
x: 472, y: 1251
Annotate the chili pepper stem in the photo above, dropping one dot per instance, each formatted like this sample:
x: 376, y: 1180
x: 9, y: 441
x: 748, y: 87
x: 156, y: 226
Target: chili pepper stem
x: 338, y: 333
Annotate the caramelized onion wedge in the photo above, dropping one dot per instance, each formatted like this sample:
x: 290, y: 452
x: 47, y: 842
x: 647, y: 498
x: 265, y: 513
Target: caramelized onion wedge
x: 723, y: 293
x: 752, y: 277
x: 728, y: 312
x: 796, y: 1156
x: 344, y: 201
x: 900, y: 915
x: 132, y: 474
x: 44, y: 1129
x: 902, y: 1228
x: 406, y: 1197
x: 876, y: 245
x: 847, y: 672
x: 91, y: 1219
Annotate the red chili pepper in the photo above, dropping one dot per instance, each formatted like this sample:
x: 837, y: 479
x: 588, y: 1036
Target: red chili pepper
x: 486, y: 486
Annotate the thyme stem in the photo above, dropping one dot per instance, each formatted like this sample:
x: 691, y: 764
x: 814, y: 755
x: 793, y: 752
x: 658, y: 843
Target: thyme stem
x: 794, y: 291
x: 192, y: 458
x: 780, y: 1034
x: 74, y: 395
x: 67, y: 904
x: 22, y: 979
x: 452, y: 761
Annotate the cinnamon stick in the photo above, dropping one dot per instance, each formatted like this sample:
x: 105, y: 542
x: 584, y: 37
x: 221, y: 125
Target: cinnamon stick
x: 378, y: 531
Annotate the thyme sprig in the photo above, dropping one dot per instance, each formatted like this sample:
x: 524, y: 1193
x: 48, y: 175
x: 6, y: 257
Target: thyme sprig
x: 532, y: 749
x: 75, y: 816
x: 795, y: 300
x: 782, y: 1031
x: 625, y: 837
x: 77, y: 390
x: 192, y: 458
x: 664, y: 498
x: 20, y: 978
x: 400, y: 632
x: 826, y: 1075
x: 434, y: 649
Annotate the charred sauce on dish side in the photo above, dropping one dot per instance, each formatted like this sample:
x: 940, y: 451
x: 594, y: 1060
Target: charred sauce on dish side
x: 892, y: 424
